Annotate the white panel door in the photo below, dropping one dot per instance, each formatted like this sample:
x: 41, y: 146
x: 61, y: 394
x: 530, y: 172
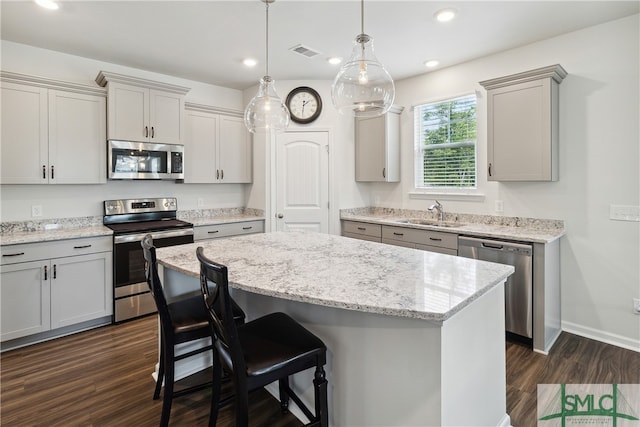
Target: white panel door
x: 234, y: 150
x: 200, y: 152
x: 302, y: 181
x: 128, y: 113
x: 166, y: 119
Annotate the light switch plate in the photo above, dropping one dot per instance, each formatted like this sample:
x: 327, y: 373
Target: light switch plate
x: 624, y: 213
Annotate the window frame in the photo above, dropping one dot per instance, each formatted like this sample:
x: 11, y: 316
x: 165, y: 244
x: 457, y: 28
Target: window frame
x: 445, y: 193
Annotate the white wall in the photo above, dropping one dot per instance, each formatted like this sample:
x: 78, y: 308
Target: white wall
x: 86, y: 200
x: 599, y: 166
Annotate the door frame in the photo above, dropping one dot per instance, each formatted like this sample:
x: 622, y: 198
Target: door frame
x: 270, y: 199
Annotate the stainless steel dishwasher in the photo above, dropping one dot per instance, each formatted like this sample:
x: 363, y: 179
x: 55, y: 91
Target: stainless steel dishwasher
x: 518, y: 288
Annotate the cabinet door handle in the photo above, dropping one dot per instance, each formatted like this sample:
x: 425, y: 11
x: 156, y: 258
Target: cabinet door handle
x: 45, y: 272
x: 247, y: 228
x: 16, y: 254
x: 217, y: 173
x: 362, y: 228
x: 398, y: 234
x: 52, y: 174
x: 221, y: 173
x: 146, y: 131
x: 82, y: 247
x: 213, y: 232
x: 435, y: 239
x: 153, y: 132
x: 55, y: 271
x: 489, y: 169
x: 384, y: 172
x: 44, y: 172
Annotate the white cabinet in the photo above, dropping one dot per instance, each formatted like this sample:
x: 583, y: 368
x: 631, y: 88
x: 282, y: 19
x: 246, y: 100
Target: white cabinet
x: 217, y: 147
x: 377, y: 145
x: 143, y: 110
x: 362, y: 231
x: 522, y: 125
x: 214, y: 231
x: 50, y: 285
x: 52, y: 132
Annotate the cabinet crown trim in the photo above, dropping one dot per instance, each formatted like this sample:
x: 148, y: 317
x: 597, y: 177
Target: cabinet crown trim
x: 10, y: 77
x: 211, y: 109
x: 105, y: 77
x: 555, y: 72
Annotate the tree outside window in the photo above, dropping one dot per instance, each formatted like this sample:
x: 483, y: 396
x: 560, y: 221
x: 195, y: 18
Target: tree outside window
x: 446, y: 144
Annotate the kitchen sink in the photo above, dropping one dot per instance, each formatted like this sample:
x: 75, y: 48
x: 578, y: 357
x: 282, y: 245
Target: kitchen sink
x: 433, y: 222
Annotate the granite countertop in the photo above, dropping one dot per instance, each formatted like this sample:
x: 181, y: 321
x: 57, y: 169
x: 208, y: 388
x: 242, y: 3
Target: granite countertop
x: 17, y: 232
x: 511, y: 228
x: 346, y: 273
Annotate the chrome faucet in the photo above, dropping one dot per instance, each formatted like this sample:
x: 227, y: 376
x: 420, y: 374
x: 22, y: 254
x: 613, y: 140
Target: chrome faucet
x: 438, y: 207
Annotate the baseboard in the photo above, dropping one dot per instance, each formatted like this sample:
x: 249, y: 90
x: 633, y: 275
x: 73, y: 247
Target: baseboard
x: 598, y: 335
x: 505, y: 421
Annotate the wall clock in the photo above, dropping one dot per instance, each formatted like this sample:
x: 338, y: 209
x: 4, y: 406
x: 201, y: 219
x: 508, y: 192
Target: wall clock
x: 304, y: 104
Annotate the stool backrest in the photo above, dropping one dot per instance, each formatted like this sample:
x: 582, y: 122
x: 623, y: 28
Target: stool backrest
x: 214, y: 283
x: 153, y: 280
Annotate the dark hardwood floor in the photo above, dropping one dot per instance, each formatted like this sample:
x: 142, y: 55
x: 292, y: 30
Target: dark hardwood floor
x: 103, y: 378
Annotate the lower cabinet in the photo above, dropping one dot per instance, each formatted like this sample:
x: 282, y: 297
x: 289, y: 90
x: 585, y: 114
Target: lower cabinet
x: 50, y: 285
x: 362, y: 231
x: 204, y: 232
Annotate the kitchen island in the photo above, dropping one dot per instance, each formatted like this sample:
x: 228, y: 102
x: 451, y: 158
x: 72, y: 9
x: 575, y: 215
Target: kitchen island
x: 413, y: 337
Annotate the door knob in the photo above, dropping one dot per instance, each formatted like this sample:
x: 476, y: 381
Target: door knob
x: 279, y: 216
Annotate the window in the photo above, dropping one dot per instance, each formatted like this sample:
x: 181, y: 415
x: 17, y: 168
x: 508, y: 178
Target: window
x: 445, y: 135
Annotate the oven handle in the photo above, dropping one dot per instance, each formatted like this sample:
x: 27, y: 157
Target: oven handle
x: 128, y: 238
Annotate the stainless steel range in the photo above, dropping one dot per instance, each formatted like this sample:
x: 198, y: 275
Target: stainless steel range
x: 130, y: 221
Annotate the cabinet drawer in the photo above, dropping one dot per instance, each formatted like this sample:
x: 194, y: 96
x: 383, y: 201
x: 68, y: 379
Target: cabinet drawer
x: 422, y: 237
x: 362, y: 228
x: 437, y: 249
x: 12, y: 254
x: 204, y: 232
x: 362, y: 237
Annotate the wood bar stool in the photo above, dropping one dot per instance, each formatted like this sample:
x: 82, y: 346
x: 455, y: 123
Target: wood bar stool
x: 181, y: 321
x: 259, y: 352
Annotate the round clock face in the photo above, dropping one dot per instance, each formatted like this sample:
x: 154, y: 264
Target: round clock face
x: 304, y: 105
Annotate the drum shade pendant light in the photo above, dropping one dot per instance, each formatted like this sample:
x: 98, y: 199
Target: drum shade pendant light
x: 363, y: 85
x: 266, y: 111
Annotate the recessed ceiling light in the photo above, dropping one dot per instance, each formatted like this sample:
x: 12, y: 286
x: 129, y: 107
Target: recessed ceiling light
x: 432, y: 63
x: 445, y: 15
x: 334, y: 60
x: 48, y: 4
x: 249, y: 62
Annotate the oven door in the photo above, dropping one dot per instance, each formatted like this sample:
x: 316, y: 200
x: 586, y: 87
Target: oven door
x: 132, y: 296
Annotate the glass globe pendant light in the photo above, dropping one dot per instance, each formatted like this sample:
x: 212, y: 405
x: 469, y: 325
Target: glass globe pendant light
x: 363, y: 85
x: 266, y: 111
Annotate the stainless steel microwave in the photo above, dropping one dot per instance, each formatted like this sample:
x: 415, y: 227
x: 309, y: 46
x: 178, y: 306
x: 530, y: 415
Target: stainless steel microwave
x: 145, y: 160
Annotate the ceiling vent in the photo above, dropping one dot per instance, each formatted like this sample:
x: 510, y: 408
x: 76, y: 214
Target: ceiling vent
x: 305, y: 51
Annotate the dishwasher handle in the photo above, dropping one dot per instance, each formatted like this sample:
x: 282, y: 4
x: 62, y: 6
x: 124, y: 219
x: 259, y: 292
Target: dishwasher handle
x: 495, y: 245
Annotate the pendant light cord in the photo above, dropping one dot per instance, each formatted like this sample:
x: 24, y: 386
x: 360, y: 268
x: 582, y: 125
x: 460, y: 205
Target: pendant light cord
x: 267, y: 38
x: 362, y: 16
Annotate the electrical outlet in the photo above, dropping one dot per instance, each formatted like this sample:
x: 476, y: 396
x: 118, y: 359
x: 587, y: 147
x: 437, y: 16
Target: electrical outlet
x: 200, y: 202
x: 499, y: 206
x: 636, y: 305
x: 36, y: 210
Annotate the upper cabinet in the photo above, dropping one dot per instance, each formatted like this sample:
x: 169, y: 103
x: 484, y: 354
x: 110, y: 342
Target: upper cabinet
x: 378, y: 147
x: 52, y: 132
x: 143, y: 110
x: 217, y: 147
x: 522, y: 125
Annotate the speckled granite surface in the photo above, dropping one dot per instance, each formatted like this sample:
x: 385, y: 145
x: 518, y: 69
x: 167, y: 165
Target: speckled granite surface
x: 501, y: 227
x: 345, y: 273
x: 17, y: 232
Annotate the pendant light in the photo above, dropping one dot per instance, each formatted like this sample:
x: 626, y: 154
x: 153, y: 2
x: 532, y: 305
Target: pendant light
x: 363, y: 85
x: 266, y: 111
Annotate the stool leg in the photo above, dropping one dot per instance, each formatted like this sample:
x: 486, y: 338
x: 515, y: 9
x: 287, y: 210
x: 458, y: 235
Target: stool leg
x: 283, y: 384
x: 168, y: 386
x: 156, y: 393
x: 215, y: 389
x: 320, y: 386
